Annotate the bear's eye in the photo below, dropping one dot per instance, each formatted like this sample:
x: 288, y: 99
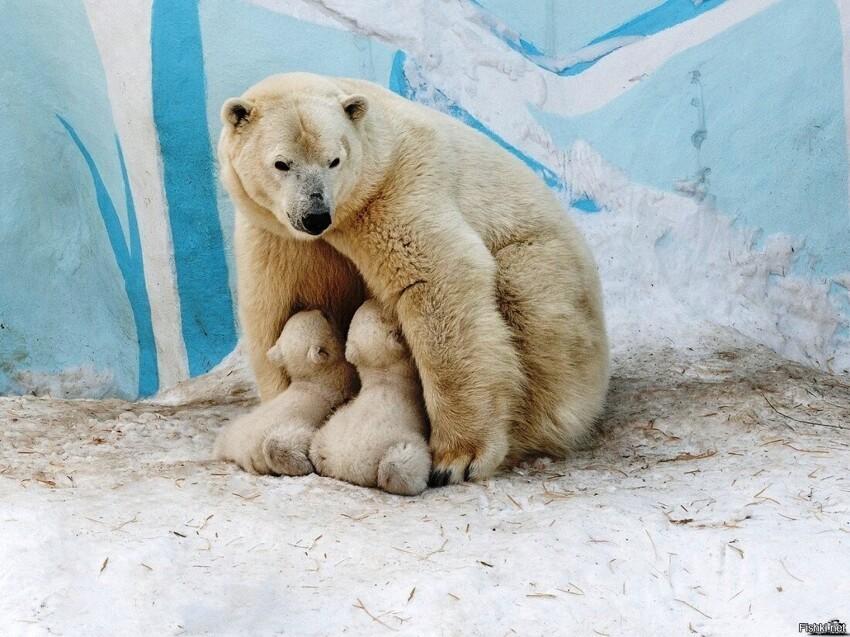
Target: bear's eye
x: 281, y: 165
x: 334, y: 163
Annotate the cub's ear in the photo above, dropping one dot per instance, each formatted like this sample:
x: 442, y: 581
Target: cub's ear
x: 355, y: 106
x: 237, y: 111
x: 317, y: 354
x: 274, y: 356
x: 352, y: 353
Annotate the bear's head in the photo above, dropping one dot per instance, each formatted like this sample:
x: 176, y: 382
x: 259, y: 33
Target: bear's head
x: 374, y: 341
x: 291, y: 149
x: 308, y: 344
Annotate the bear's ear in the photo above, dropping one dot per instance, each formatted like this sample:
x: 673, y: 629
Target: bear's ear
x: 274, y: 356
x: 355, y: 106
x: 237, y: 111
x: 317, y: 354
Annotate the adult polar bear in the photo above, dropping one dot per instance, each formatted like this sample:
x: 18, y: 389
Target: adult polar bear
x: 494, y: 289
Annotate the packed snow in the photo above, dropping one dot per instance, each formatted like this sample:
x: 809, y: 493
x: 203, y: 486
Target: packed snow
x: 714, y: 500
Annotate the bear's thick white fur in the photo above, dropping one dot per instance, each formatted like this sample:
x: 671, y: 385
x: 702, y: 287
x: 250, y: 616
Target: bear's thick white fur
x: 494, y: 289
x: 379, y: 438
x: 276, y: 436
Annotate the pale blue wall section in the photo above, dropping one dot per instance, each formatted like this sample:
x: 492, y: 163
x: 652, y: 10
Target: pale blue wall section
x: 774, y: 130
x: 62, y: 300
x: 244, y: 43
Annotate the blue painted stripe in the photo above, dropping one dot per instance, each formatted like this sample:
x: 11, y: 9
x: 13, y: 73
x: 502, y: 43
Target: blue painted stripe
x: 655, y: 20
x: 104, y: 203
x: 400, y: 84
x: 586, y: 205
x: 130, y: 261
x: 662, y: 17
x: 138, y: 293
x: 179, y: 105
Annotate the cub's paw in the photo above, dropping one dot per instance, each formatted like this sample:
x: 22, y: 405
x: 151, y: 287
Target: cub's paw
x: 404, y: 468
x: 459, y: 462
x: 318, y: 453
x: 286, y: 447
x: 241, y: 443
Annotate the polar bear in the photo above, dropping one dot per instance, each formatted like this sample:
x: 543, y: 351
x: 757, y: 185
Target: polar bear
x: 340, y: 183
x: 275, y: 438
x: 379, y: 438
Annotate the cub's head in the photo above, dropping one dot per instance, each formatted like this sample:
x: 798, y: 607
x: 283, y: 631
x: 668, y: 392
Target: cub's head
x: 307, y: 345
x: 292, y: 144
x: 373, y: 340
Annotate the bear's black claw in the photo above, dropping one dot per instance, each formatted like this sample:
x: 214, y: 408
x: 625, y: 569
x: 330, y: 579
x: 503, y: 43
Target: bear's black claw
x: 439, y: 478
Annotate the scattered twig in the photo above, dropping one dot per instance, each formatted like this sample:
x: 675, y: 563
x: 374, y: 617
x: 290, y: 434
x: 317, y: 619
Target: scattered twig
x: 427, y: 555
x: 686, y: 455
x: 804, y: 422
x: 651, y: 427
x: 203, y: 524
x: 681, y: 601
x: 555, y: 495
x: 789, y: 445
x: 356, y: 518
x: 247, y: 497
x: 516, y: 504
x: 362, y: 607
x: 654, y: 550
x: 571, y: 592
x: 758, y: 495
x: 103, y: 566
x: 790, y: 573
x: 123, y: 524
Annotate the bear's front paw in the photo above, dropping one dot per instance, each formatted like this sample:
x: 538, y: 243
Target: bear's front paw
x: 455, y: 463
x: 286, y: 448
x: 404, y: 468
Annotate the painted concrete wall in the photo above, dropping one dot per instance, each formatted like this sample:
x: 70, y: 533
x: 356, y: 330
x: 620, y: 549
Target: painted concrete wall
x: 701, y: 145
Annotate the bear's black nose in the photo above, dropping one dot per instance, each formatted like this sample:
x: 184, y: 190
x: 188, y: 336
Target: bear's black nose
x: 317, y: 220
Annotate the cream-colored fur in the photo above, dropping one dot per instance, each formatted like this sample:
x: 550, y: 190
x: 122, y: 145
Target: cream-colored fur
x: 495, y: 291
x: 275, y: 437
x: 379, y: 438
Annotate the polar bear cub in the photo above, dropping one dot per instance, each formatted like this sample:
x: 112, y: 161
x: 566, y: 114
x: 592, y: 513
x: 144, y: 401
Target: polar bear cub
x: 378, y: 439
x: 275, y: 437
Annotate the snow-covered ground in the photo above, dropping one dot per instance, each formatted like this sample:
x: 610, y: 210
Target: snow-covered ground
x: 715, y: 501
